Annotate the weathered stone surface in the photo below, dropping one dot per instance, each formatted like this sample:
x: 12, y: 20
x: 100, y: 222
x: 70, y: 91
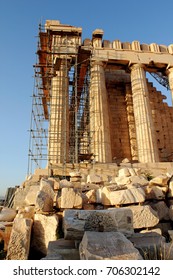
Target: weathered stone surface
x: 134, y: 180
x: 26, y: 196
x: 160, y: 180
x: 27, y: 212
x: 94, y: 178
x: 75, y: 179
x: 166, y: 251
x: 77, y: 185
x: 149, y: 244
x: 155, y: 230
x: 62, y: 250
x: 162, y: 210
x: 87, y: 206
x: 19, y: 198
x: 124, y: 172
x: 138, y: 181
x: 44, y: 202
x: 41, y: 172
x: 46, y: 186
x: 7, y: 214
x: 55, y: 183
x: 87, y: 186
x: 106, y: 178
x: 129, y: 196
x: 65, y: 184
x: 31, y: 196
x: 75, y: 174
x: 144, y: 216
x: 125, y: 160
x: 92, y: 196
x: 115, y: 187
x: 121, y: 181
x: 44, y: 230
x: 70, y: 198
x: 124, y: 219
x: 171, y: 212
x: 32, y: 180
x: 45, y: 197
x: 107, y: 246
x: 19, y: 244
x: 75, y: 222
x: 155, y: 192
x: 132, y: 171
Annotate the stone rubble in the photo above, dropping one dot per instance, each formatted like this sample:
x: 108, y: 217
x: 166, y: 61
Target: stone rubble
x: 149, y: 244
x: 62, y: 249
x: 19, y: 244
x: 107, y: 246
x: 44, y: 230
x: 86, y: 209
x: 7, y: 214
x: 120, y: 197
x: 75, y: 223
x: 144, y: 216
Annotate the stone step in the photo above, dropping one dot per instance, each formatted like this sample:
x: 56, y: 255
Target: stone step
x: 62, y: 250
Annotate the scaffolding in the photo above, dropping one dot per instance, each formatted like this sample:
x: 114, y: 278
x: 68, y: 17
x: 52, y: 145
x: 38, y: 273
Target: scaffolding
x: 161, y: 78
x: 59, y: 130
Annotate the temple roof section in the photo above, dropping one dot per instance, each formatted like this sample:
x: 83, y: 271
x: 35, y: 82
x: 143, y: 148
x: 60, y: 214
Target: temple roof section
x: 56, y: 26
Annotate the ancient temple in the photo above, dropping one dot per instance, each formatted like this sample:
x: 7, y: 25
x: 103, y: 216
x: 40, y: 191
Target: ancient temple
x: 96, y: 98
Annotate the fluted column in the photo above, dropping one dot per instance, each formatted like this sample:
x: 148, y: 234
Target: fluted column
x: 99, y: 115
x: 170, y: 79
x: 145, y: 132
x: 131, y: 122
x: 59, y: 116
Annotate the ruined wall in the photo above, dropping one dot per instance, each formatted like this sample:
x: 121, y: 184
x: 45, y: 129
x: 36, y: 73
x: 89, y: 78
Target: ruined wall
x: 119, y: 132
x: 122, y: 121
x: 163, y: 121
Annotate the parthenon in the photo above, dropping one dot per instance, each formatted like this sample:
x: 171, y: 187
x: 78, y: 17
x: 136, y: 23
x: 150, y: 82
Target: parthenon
x: 97, y: 100
x: 104, y: 132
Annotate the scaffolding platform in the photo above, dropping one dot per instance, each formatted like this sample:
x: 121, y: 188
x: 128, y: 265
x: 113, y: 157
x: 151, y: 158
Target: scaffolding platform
x: 59, y: 130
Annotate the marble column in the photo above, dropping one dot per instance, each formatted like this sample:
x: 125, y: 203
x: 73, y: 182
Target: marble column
x: 131, y: 122
x: 145, y: 131
x: 59, y: 116
x: 99, y: 115
x: 170, y: 79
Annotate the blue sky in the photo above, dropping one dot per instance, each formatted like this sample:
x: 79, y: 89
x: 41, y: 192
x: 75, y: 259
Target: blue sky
x: 145, y: 21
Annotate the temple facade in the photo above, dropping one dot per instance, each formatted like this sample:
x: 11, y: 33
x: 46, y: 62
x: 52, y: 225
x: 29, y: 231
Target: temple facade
x: 98, y: 101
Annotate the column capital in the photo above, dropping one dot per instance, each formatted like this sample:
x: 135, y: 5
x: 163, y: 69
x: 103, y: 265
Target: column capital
x: 97, y: 62
x: 136, y: 66
x: 61, y: 62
